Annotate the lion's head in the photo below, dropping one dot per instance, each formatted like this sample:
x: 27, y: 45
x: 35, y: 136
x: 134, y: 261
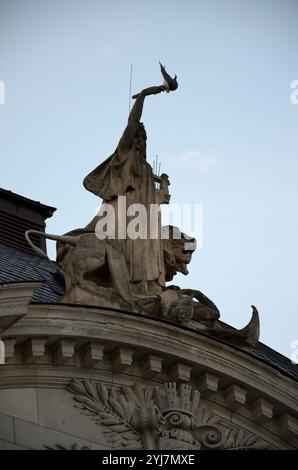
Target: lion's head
x: 177, y: 251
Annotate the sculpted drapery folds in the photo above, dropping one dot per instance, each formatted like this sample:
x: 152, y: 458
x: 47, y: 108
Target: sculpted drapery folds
x: 127, y: 173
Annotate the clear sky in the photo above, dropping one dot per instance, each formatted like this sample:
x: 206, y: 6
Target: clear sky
x: 227, y: 137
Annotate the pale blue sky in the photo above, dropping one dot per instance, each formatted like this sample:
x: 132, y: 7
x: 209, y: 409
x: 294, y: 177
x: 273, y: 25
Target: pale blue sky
x: 227, y: 137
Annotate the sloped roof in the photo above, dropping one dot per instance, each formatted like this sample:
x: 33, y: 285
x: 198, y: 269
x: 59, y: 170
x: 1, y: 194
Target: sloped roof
x: 19, y: 266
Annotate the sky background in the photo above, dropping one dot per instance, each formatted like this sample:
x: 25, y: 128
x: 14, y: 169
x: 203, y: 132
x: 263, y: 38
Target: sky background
x: 227, y: 137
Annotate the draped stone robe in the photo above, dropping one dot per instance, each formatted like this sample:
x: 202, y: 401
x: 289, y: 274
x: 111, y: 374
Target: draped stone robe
x: 129, y: 174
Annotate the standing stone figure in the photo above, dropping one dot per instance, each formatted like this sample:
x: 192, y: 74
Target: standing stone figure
x: 127, y: 173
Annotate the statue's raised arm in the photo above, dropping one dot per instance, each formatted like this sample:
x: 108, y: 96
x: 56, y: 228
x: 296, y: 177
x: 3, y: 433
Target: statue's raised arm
x: 113, y: 176
x: 135, y: 115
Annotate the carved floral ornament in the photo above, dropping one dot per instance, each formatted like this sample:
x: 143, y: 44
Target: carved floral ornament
x: 168, y: 417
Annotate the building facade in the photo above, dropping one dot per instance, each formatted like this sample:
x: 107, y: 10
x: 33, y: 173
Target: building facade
x: 82, y: 376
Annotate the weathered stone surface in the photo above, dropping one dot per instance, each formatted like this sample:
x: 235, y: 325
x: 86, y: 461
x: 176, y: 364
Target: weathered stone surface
x: 151, y: 365
x: 149, y: 336
x: 34, y: 436
x: 4, y: 445
x: 92, y: 354
x: 288, y: 427
x: 207, y: 383
x: 6, y: 428
x: 64, y: 351
x: 122, y: 358
x: 262, y: 411
x: 9, y: 349
x: 235, y: 396
x: 135, y: 341
x: 20, y: 403
x: 14, y: 300
x: 178, y: 371
x: 56, y: 412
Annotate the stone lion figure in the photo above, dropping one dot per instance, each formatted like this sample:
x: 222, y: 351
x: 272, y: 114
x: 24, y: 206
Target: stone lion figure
x: 94, y: 270
x: 177, y: 304
x: 95, y: 273
x: 177, y: 251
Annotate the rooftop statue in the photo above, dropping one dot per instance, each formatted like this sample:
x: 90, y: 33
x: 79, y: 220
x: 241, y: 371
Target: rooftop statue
x: 127, y: 173
x: 128, y: 269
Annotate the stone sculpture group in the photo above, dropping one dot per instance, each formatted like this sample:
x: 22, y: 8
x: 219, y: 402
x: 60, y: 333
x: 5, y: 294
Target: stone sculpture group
x: 130, y: 273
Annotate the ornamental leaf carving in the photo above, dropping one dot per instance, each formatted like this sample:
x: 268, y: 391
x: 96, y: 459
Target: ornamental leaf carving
x: 240, y: 440
x: 166, y: 417
x: 114, y: 411
x: 61, y: 447
x: 204, y: 416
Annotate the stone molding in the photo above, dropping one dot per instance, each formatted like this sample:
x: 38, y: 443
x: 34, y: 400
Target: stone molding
x: 53, y: 343
x: 14, y: 301
x: 109, y: 330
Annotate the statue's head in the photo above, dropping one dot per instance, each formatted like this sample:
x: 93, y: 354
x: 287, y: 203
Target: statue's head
x: 140, y: 140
